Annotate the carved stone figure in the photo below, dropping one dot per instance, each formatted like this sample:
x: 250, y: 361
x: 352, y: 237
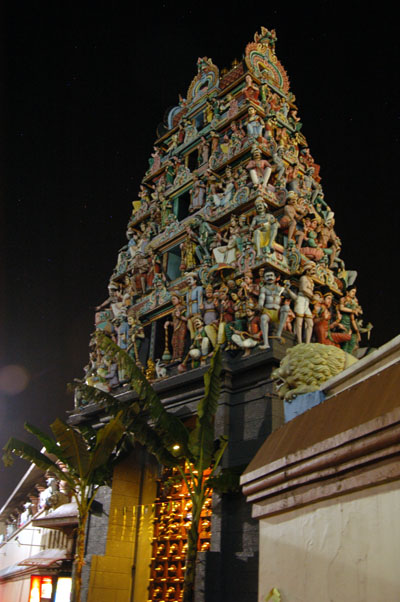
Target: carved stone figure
x: 155, y: 160
x: 233, y: 107
x: 135, y: 336
x: 190, y: 131
x: 204, y: 151
x: 350, y: 309
x: 302, y: 304
x: 182, y: 174
x: 197, y: 194
x: 227, y: 253
x: 172, y: 144
x: 251, y: 337
x: 264, y: 227
x: 194, y: 299
x: 205, y: 237
x: 251, y: 90
x: 248, y: 290
x: 260, y: 170
x: 311, y: 248
x: 279, y: 166
x: 224, y: 198
x: 210, y: 314
x: 188, y: 250
x: 291, y: 217
x: 200, y: 346
x: 310, y: 186
x: 165, y: 205
x: 269, y: 303
x: 307, y: 366
x: 324, y: 324
x: 161, y: 370
x: 255, y: 124
x: 27, y: 514
x: 328, y: 240
x: 178, y: 323
x: 52, y: 497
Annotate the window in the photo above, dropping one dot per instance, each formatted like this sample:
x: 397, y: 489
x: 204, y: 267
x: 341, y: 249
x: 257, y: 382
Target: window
x: 173, y: 263
x: 192, y: 160
x: 181, y: 206
x: 199, y: 121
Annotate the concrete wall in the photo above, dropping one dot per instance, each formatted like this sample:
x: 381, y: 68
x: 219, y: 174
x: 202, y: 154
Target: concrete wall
x: 343, y: 550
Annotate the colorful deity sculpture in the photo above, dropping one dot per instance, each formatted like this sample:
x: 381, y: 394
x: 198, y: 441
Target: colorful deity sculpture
x: 269, y: 303
x: 231, y: 206
x: 179, y: 327
x: 264, y: 227
x: 260, y: 170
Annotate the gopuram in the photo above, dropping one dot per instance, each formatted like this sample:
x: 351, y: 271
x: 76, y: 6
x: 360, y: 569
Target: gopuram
x: 231, y: 243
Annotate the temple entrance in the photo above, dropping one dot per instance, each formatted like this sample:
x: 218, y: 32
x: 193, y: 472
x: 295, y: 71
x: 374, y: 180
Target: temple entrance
x: 172, y: 520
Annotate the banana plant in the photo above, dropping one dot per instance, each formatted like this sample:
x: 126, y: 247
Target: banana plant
x: 195, y: 454
x: 88, y: 459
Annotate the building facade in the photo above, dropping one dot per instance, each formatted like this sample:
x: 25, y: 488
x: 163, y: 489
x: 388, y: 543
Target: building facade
x: 37, y: 538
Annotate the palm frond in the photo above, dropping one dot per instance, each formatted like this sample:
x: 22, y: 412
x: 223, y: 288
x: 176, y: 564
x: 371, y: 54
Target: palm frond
x: 73, y: 447
x: 31, y: 454
x: 212, y: 387
x: 201, y: 439
x: 168, y: 426
x: 149, y: 438
x: 227, y: 481
x: 139, y: 382
x: 107, y: 439
x: 47, y: 442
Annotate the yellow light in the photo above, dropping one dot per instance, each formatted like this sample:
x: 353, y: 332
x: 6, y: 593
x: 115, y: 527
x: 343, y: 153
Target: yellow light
x: 176, y: 447
x: 35, y: 590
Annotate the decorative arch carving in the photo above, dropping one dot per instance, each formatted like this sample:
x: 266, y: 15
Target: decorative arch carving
x: 206, y: 80
x: 262, y: 62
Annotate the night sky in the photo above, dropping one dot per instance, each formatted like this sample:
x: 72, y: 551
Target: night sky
x: 84, y: 91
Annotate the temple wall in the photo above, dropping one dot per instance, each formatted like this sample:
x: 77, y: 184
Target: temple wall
x: 112, y: 574
x: 247, y: 412
x: 336, y: 550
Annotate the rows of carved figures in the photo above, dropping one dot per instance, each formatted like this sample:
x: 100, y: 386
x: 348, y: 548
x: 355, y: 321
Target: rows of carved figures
x: 231, y: 232
x: 239, y: 314
x: 295, y: 233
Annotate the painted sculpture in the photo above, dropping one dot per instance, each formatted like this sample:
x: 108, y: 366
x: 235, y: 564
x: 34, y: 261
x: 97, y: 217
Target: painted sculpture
x: 231, y: 241
x: 307, y: 366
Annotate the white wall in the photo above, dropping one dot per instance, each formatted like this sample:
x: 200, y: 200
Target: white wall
x: 343, y: 550
x: 26, y: 542
x: 15, y: 591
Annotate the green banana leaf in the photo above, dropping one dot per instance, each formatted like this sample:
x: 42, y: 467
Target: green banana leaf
x: 31, y: 454
x: 107, y: 439
x: 47, y: 442
x: 170, y: 428
x: 201, y: 439
x: 73, y: 447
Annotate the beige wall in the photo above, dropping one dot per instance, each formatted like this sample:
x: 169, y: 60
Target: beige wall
x: 343, y: 550
x: 15, y: 591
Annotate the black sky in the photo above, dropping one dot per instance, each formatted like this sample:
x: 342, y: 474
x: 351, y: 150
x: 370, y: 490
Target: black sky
x: 84, y: 90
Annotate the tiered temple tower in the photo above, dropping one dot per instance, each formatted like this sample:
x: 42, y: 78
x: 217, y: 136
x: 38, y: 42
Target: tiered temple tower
x: 230, y: 243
